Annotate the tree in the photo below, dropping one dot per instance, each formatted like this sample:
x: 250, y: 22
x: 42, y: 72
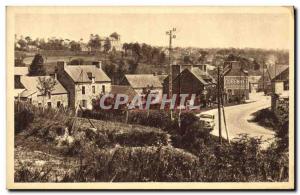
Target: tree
x: 132, y: 66
x: 107, y: 45
x: 115, y: 35
x: 162, y: 57
x: 78, y: 61
x: 125, y: 47
x: 22, y: 43
x: 46, y: 86
x: 136, y: 49
x: 37, y: 66
x: 94, y: 42
x: 75, y: 46
x: 202, y: 59
x: 28, y: 40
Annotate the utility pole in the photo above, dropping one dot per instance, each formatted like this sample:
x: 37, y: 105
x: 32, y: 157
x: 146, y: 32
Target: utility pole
x: 263, y: 76
x: 219, y: 105
x: 171, y: 35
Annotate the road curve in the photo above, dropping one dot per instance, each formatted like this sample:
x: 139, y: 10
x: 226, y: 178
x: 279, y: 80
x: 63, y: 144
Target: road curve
x: 237, y: 118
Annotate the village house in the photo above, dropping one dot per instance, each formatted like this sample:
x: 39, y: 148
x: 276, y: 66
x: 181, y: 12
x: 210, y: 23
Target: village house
x: 124, y: 89
x: 280, y: 90
x: 144, y: 84
x: 265, y: 82
x: 253, y: 78
x: 55, y: 98
x: 235, y: 82
x: 84, y: 83
x: 189, y: 79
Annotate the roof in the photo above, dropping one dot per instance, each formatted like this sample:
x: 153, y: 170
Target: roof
x: 31, y: 83
x: 162, y: 77
x: 123, y: 89
x: 234, y: 70
x: 20, y: 70
x: 283, y: 75
x: 143, y: 80
x: 202, y: 76
x: 274, y: 71
x: 79, y: 73
x: 254, y: 79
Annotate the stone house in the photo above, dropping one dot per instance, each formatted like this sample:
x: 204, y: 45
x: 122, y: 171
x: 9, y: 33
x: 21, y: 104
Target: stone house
x: 142, y: 83
x: 235, y: 82
x: 84, y: 83
x: 280, y: 90
x: 56, y: 98
x: 189, y: 79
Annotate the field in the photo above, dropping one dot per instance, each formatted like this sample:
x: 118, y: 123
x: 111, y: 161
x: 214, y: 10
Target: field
x: 52, y: 146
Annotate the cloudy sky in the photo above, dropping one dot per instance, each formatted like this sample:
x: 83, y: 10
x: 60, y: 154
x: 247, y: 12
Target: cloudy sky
x: 205, y: 30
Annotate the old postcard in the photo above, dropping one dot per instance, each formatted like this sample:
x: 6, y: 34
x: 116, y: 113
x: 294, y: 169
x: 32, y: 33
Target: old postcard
x: 150, y: 98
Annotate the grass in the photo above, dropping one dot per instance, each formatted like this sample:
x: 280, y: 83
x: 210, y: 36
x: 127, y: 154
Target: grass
x: 266, y: 118
x: 119, y: 152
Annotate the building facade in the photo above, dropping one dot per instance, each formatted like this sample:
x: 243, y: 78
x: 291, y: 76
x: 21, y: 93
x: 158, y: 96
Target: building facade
x: 57, y: 97
x: 280, y: 90
x: 235, y: 82
x: 84, y: 83
x: 144, y: 84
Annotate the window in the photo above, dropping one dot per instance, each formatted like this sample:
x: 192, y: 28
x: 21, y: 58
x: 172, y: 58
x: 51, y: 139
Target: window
x: 83, y: 90
x: 83, y: 103
x: 93, y: 89
x: 49, y: 94
x: 49, y: 104
x: 286, y: 85
x: 103, y: 88
x: 58, y: 104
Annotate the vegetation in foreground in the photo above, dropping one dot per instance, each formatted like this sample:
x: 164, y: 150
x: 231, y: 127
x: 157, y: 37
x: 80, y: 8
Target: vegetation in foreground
x: 53, y: 147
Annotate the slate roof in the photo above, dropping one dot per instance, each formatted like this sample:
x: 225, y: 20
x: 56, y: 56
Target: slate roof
x: 234, y: 70
x: 202, y: 76
x: 162, y: 77
x: 31, y: 83
x: 143, y: 80
x: 279, y: 69
x: 123, y: 89
x: 79, y: 73
x: 283, y: 75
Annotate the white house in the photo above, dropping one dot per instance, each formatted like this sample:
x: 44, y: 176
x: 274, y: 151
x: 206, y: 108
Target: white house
x: 84, y: 83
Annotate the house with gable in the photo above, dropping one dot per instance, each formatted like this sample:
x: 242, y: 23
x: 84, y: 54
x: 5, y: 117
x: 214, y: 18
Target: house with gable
x: 235, y: 81
x: 144, y: 83
x: 84, y: 83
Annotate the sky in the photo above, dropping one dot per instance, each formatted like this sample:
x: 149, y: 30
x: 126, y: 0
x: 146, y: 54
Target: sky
x: 203, y: 30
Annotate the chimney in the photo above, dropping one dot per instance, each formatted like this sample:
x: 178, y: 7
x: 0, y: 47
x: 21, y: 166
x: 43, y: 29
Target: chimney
x: 98, y: 64
x: 61, y: 65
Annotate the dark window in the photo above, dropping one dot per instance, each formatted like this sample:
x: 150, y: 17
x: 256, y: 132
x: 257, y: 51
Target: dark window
x: 83, y: 90
x: 49, y: 104
x: 90, y: 75
x: 84, y: 103
x: 286, y: 85
x: 103, y: 88
x: 49, y: 94
x: 58, y: 104
x: 93, y: 89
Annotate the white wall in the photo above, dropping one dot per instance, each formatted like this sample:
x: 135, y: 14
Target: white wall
x: 89, y: 95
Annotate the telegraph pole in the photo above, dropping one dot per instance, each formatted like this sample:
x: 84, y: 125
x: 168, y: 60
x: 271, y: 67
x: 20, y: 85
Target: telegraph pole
x: 171, y: 35
x: 219, y: 105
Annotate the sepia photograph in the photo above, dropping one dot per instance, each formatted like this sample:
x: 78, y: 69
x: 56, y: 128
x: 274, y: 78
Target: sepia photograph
x: 150, y: 97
